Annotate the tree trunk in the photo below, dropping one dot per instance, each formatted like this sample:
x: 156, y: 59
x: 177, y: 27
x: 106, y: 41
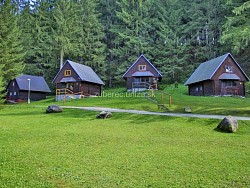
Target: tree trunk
x: 61, y: 58
x: 110, y: 81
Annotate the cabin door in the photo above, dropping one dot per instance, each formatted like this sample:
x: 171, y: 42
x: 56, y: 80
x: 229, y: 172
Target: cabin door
x: 229, y: 87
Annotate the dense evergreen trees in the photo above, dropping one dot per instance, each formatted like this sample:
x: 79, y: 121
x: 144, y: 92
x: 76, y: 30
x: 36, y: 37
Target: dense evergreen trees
x: 11, y: 50
x: 236, y: 31
x: 237, y: 27
x: 176, y: 35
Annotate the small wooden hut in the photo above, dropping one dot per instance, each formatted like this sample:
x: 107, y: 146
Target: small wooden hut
x: 77, y: 80
x: 27, y: 86
x: 219, y: 76
x: 141, y: 75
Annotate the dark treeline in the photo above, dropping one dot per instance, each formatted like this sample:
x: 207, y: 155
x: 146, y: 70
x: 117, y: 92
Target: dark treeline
x: 36, y: 37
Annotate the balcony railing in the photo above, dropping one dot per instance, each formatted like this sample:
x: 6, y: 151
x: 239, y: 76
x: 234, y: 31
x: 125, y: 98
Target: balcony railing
x: 141, y: 85
x: 230, y: 91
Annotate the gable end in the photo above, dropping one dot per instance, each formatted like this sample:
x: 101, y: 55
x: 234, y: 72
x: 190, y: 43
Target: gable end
x: 134, y: 64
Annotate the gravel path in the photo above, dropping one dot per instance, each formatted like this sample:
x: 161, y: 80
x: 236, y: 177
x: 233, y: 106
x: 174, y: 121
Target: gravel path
x: 156, y: 113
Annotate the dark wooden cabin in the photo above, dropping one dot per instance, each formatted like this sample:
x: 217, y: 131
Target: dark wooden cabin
x: 141, y: 75
x: 219, y: 76
x: 79, y: 79
x: 18, y: 89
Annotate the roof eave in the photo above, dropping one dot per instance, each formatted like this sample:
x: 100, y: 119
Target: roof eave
x: 186, y: 83
x: 132, y: 65
x: 239, y: 67
x: 219, y: 65
x: 53, y: 81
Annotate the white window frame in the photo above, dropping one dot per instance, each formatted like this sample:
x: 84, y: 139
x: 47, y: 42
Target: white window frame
x: 229, y: 68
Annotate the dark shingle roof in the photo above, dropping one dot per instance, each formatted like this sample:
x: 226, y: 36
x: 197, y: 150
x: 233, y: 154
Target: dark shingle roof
x: 206, y: 70
x: 85, y: 73
x: 37, y: 83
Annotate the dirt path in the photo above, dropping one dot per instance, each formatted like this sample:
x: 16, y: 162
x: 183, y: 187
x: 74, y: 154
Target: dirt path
x: 156, y: 113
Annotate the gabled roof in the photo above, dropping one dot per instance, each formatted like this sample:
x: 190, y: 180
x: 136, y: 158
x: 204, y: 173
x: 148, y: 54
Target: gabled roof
x: 84, y: 72
x: 37, y: 83
x: 206, y: 70
x: 142, y: 56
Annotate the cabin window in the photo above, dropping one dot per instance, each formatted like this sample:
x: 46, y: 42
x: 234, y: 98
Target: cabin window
x: 10, y: 93
x: 13, y: 84
x: 142, y: 67
x: 229, y: 84
x: 67, y: 73
x: 144, y: 79
x: 229, y: 68
x: 14, y: 93
x: 200, y: 88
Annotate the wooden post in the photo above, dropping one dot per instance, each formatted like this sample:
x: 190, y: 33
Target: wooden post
x: 65, y: 93
x: 170, y: 100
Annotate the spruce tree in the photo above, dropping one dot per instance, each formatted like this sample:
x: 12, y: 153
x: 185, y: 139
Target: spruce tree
x: 89, y: 37
x: 235, y: 36
x: 237, y: 27
x: 108, y: 19
x: 131, y: 37
x: 27, y: 24
x: 11, y: 50
x: 2, y: 85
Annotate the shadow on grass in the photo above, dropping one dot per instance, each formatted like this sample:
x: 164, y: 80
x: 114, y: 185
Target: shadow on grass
x: 205, y: 122
x: 220, y: 131
x: 73, y: 113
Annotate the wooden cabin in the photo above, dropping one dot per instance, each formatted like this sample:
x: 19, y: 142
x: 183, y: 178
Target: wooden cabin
x: 77, y: 80
x: 219, y: 76
x: 27, y: 87
x: 141, y: 75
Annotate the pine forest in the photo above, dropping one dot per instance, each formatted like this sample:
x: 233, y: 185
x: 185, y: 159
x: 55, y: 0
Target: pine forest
x: 38, y: 36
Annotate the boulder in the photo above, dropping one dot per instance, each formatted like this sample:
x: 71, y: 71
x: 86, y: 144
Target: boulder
x: 53, y: 109
x: 104, y: 115
x: 163, y: 107
x: 187, y: 109
x: 228, y: 124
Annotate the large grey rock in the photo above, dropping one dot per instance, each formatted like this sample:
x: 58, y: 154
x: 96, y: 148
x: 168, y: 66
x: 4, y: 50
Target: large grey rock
x: 228, y: 124
x: 104, y: 115
x: 53, y: 109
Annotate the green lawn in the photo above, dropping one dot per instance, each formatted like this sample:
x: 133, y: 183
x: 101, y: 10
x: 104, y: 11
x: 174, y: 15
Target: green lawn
x: 74, y: 149
x: 119, y: 98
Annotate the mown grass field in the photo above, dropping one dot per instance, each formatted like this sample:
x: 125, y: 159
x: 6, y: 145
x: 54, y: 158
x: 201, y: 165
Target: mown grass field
x: 74, y: 149
x: 119, y: 98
